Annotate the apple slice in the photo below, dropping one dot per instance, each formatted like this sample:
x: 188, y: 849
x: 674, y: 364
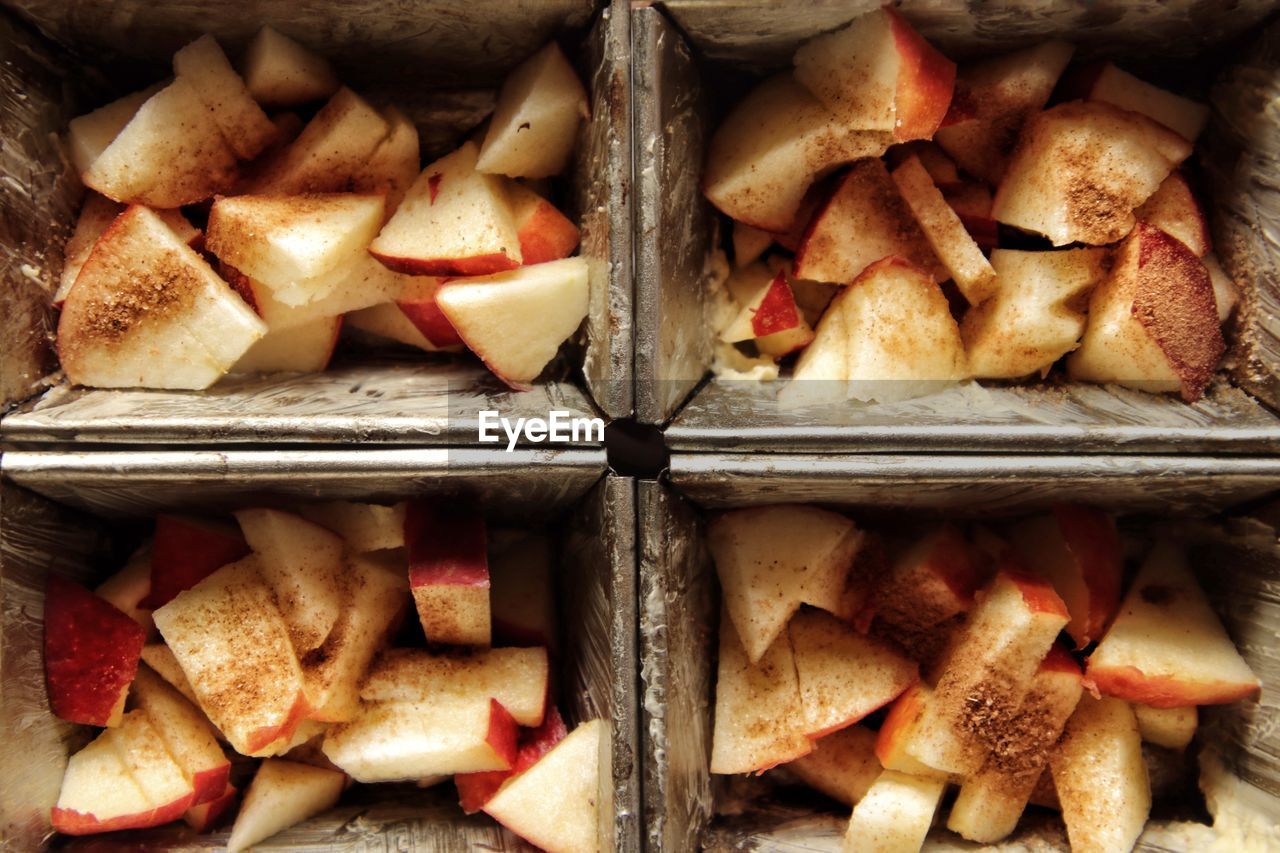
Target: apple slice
x: 759, y: 719
x: 1036, y: 314
x: 282, y: 794
x: 749, y: 244
x: 303, y: 564
x: 516, y: 321
x: 127, y: 590
x: 877, y: 73
x: 1174, y: 210
x: 363, y: 526
x: 900, y: 731
x: 1172, y: 728
x: 535, y: 121
x: 476, y: 789
x: 91, y: 652
x: 863, y: 221
x: 144, y: 293
x: 843, y: 764
x: 1101, y: 778
x: 989, y: 670
x: 895, y: 814
x: 1153, y: 323
x: 442, y: 735
x: 1106, y: 83
x: 170, y: 153
x: 842, y: 675
x: 1080, y: 169
x: 454, y: 220
x: 418, y: 303
x: 361, y: 285
x: 205, y: 816
x: 553, y: 804
x: 335, y: 145
x: 770, y: 317
x: 282, y: 73
x: 522, y: 592
x: 771, y: 148
x: 545, y: 234
x: 993, y: 100
x: 518, y: 678
x: 1166, y: 647
x: 393, y: 165
x: 235, y: 649
x: 306, y: 348
x: 772, y: 559
x: 187, y: 550
x: 944, y: 231
x: 160, y: 658
x: 992, y: 800
x: 448, y: 573
x: 242, y: 122
x: 124, y: 779
x: 90, y: 134
x: 186, y: 734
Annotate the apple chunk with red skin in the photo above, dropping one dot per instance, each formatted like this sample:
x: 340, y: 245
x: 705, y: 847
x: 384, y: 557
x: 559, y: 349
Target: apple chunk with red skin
x: 1166, y: 647
x: 187, y: 550
x: 449, y: 573
x: 91, y: 653
x: 186, y: 734
x: 772, y: 319
x: 898, y: 734
x: 476, y: 789
x: 419, y: 305
x: 205, y: 816
x: 544, y: 232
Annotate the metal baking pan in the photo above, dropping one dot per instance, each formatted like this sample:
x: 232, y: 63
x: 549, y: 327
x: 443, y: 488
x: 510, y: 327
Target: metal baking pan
x: 689, y: 57
x: 441, y: 62
x: 61, y: 513
x: 1237, y: 557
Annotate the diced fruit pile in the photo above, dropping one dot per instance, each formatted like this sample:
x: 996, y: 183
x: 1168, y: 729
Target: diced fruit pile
x: 1010, y: 664
x: 903, y: 225
x: 275, y: 639
x: 309, y: 223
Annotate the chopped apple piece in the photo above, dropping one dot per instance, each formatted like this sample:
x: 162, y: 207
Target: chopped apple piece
x: 363, y: 284
x: 522, y: 592
x: 1174, y: 210
x: 843, y: 764
x: 282, y: 73
x: 895, y: 815
x: 1172, y: 728
x: 1080, y: 169
x: 940, y: 168
x: 770, y: 560
x: 187, y: 550
x: 1107, y: 83
x: 128, y: 589
x: 242, y: 122
x: 205, y: 816
x: 536, y: 118
x: 282, y: 794
x: 771, y: 148
x: 544, y: 232
x: 90, y: 134
x: 418, y: 303
x: 826, y: 359
x: 516, y: 677
x: 91, y: 652
x: 1036, y: 314
x: 186, y: 734
x: 842, y: 675
x: 170, y: 153
x: 1166, y: 647
x: 877, y: 73
x: 143, y: 294
x: 449, y: 573
x: 772, y: 319
x: 160, y: 658
x: 749, y: 244
x: 363, y: 526
x: 896, y: 740
x: 1225, y: 291
x: 476, y: 789
x: 306, y: 348
x: 1101, y: 778
x: 1153, y: 323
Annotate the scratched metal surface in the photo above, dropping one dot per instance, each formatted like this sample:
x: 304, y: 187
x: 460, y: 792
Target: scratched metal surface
x: 677, y: 70
x: 440, y: 62
x: 1237, y: 559
x: 596, y: 517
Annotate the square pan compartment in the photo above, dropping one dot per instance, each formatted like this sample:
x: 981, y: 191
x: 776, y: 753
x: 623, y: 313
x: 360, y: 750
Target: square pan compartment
x: 60, y: 511
x: 678, y: 597
x: 442, y: 63
x: 688, y: 56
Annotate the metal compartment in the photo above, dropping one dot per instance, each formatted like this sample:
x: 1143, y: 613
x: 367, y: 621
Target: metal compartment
x: 691, y: 57
x: 441, y: 62
x: 61, y: 512
x: 1237, y: 557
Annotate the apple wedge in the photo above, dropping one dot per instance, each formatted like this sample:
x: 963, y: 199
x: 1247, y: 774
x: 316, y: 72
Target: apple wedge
x: 128, y: 590
x: 1080, y: 169
x: 170, y: 153
x: 90, y: 134
x: 516, y: 321
x: 361, y: 285
x: 306, y: 348
x: 96, y: 215
x: 554, y: 804
x: 186, y: 550
x: 454, y: 220
x: 282, y: 73
x: 363, y: 526
x: 1166, y: 647
x: 1153, y: 323
x: 771, y: 318
x: 282, y: 794
x: 91, y: 652
x: 518, y: 678
x: 899, y: 733
x: 160, y: 658
x: 1106, y: 83
x: 448, y: 573
x: 1171, y: 728
x: 393, y: 165
x: 535, y: 121
x: 895, y: 814
x: 143, y: 294
x: 771, y: 148
x: 1101, y: 778
x: 770, y: 560
x: 545, y: 234
x: 242, y: 122
x: 418, y: 303
x: 841, y: 674
x: 522, y: 592
x: 864, y: 220
x: 476, y: 789
x: 877, y: 73
x: 186, y: 734
x: 1036, y: 313
x: 1174, y: 210
x: 843, y: 764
